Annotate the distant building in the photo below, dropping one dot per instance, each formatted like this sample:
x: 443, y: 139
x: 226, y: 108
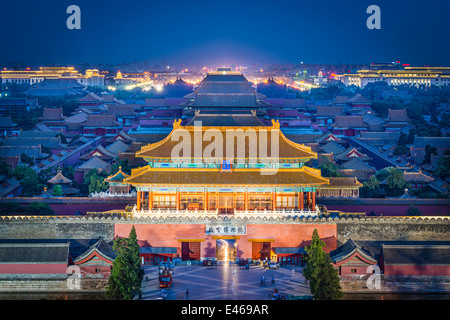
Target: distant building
x: 340, y: 187
x: 396, y: 120
x: 7, y: 127
x: 349, y: 126
x: 34, y: 258
x: 351, y: 260
x: 100, y: 125
x: 418, y: 148
x: 413, y: 76
x: 92, y: 77
x: 177, y: 89
x: 408, y: 258
x: 96, y: 260
x: 271, y: 89
x: 54, y: 119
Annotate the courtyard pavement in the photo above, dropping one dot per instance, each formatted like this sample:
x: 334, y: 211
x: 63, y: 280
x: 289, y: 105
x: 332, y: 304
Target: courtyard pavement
x: 225, y: 282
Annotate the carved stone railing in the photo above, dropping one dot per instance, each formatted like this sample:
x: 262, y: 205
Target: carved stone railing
x: 215, y: 213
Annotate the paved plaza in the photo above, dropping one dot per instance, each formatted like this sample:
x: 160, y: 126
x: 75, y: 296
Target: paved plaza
x: 225, y: 282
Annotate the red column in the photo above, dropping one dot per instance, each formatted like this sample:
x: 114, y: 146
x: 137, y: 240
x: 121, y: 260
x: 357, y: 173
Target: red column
x: 178, y: 200
x: 246, y: 200
x: 274, y: 201
x: 138, y: 202
x: 300, y: 200
x: 308, y: 198
x: 150, y: 200
x: 313, y: 200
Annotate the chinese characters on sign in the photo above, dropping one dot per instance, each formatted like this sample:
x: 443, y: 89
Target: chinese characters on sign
x: 225, y: 230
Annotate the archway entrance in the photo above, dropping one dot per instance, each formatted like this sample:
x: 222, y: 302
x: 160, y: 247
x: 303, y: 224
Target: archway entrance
x: 225, y: 249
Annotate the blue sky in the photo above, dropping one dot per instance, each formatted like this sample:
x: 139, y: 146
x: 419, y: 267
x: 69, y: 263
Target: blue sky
x: 225, y: 31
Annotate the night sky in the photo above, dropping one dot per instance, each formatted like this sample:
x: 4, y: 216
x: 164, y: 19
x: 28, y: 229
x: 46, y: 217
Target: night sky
x: 225, y: 31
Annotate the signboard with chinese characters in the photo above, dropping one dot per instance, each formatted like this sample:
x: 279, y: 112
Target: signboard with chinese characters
x: 226, y: 230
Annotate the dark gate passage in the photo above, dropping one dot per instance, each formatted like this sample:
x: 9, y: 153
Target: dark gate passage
x: 260, y: 250
x: 190, y: 251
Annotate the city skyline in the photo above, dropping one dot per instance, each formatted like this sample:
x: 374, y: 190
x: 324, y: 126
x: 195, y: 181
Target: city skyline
x: 223, y: 33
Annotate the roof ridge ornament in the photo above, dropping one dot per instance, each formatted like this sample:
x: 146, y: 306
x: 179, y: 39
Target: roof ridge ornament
x: 176, y: 123
x: 275, y: 124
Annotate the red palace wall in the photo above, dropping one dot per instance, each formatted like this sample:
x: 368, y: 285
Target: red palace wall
x: 289, y: 235
x: 33, y: 268
x: 409, y: 270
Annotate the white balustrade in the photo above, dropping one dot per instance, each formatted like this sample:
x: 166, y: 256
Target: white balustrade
x: 237, y: 213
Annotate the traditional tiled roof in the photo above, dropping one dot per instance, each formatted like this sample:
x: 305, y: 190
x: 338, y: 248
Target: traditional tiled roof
x: 416, y: 254
x: 91, y: 97
x: 77, y: 118
x: 122, y: 136
x: 99, y: 152
x: 357, y: 164
x: 398, y: 115
x: 340, y: 182
x: 287, y: 148
x: 347, y: 250
x: 349, y: 122
x: 98, y: 121
x: 31, y: 151
x: 438, y: 142
x: 121, y: 110
x: 34, y: 252
x: 351, y: 153
x: 216, y: 177
x: 225, y: 89
x: 117, y: 146
x: 248, y: 119
x: 94, y: 163
x: 5, y: 122
x: 332, y: 147
x: 53, y: 143
x: 358, y: 99
x: 411, y: 176
x: 52, y: 114
x: 119, y: 176
x: 59, y: 178
x: 329, y: 112
x: 341, y: 99
x: 101, y: 248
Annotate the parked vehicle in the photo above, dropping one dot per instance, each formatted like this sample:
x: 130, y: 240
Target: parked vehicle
x: 165, y: 281
x: 273, y: 265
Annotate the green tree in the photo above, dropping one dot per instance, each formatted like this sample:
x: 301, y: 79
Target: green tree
x: 443, y: 168
x: 39, y: 208
x: 29, y: 181
x: 126, y: 275
x: 57, y: 191
x: 429, y: 151
x: 413, y: 211
x: 5, y: 168
x: 120, y: 282
x: 323, y: 278
x: 135, y: 261
x: 395, y: 182
x: 400, y: 150
x: 27, y: 159
x: 329, y: 169
x: 94, y: 181
x: 371, y: 189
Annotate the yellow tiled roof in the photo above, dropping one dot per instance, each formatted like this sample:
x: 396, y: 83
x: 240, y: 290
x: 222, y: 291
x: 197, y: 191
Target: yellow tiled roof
x: 216, y: 177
